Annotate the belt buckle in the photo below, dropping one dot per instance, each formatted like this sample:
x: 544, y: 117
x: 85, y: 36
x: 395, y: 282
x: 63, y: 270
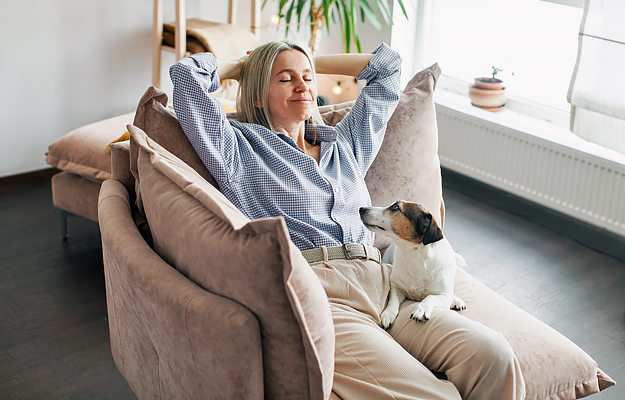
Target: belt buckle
x: 349, y: 256
x: 347, y: 253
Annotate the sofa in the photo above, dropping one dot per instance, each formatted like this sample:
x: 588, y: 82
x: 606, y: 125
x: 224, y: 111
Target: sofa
x: 204, y: 303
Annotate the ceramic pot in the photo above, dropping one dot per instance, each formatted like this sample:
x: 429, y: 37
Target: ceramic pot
x: 493, y: 99
x: 488, y: 83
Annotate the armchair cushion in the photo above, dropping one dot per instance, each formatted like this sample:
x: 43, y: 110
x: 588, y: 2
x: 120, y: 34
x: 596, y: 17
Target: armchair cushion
x: 553, y: 367
x: 197, y: 230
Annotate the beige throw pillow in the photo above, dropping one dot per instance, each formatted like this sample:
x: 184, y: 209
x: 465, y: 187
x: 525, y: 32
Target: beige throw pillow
x: 407, y: 166
x: 334, y: 113
x: 198, y: 231
x: 159, y: 122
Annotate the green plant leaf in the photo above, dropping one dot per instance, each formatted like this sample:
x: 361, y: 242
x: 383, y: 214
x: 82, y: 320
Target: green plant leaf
x: 355, y: 28
x: 348, y: 29
x: 300, y: 8
x: 384, y: 10
x: 345, y: 13
x: 403, y: 9
x: 288, y: 16
x: 327, y: 6
x: 370, y: 14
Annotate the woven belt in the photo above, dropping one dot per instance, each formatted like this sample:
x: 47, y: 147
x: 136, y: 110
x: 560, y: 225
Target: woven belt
x: 348, y: 251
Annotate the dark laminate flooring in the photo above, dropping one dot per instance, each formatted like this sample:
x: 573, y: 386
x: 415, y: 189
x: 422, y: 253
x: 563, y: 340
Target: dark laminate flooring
x: 53, y: 327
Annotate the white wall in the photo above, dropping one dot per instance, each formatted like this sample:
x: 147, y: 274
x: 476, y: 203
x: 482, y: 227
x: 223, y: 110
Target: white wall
x: 67, y: 63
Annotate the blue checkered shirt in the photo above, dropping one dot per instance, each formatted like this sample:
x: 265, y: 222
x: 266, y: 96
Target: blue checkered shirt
x: 265, y: 174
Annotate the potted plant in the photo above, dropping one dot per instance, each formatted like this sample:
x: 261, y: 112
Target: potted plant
x: 488, y: 92
x: 347, y: 12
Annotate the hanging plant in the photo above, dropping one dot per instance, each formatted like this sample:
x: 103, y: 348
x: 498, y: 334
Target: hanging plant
x: 347, y: 13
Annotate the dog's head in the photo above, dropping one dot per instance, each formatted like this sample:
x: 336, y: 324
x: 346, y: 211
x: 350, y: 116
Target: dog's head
x: 402, y: 220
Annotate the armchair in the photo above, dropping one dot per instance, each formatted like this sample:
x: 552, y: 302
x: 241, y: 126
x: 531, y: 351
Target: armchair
x: 181, y: 329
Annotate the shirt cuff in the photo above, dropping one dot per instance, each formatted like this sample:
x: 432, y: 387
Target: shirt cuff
x: 385, y: 60
x: 208, y: 63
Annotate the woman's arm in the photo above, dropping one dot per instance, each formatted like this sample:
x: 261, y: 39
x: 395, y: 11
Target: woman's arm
x: 342, y: 64
x: 202, y: 116
x: 364, y: 126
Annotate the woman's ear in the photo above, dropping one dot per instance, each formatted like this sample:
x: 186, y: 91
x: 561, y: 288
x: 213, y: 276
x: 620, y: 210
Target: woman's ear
x: 258, y: 103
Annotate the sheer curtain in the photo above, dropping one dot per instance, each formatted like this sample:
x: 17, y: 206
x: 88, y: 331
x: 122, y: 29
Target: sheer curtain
x: 597, y: 89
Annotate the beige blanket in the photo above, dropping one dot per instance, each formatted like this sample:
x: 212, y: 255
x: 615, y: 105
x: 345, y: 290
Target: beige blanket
x: 225, y: 41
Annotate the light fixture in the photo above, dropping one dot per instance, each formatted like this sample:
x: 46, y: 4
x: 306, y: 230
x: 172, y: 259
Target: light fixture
x: 337, y: 89
x: 275, y: 19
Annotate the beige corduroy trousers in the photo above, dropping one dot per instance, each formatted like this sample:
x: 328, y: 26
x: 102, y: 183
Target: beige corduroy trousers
x: 371, y: 363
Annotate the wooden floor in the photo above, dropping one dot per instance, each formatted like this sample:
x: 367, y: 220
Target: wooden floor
x: 53, y: 327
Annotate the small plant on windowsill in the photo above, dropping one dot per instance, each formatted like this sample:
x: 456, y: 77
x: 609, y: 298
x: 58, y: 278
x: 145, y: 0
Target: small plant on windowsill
x: 488, y: 92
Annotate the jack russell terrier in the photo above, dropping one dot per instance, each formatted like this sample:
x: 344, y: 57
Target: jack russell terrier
x: 424, y: 265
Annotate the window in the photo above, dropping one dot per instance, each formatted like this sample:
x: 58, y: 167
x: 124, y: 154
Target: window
x: 533, y: 41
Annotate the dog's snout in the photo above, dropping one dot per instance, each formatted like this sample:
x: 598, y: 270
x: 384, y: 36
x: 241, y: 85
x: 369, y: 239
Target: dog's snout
x: 362, y: 210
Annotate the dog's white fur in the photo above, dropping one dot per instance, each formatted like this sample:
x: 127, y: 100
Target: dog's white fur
x: 421, y: 272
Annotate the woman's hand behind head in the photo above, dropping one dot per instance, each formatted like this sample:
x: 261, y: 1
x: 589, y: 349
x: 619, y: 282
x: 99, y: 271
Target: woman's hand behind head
x: 231, y: 69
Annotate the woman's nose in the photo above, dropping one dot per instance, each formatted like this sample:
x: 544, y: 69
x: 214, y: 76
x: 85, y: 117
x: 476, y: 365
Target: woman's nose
x: 301, y: 85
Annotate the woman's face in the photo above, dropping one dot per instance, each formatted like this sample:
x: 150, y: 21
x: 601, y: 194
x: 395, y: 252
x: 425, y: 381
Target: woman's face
x: 291, y: 89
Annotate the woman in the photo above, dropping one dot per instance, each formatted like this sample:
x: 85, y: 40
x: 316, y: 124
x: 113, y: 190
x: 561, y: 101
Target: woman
x: 279, y: 159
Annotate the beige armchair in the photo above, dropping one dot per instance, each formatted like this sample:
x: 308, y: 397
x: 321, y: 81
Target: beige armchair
x: 181, y: 329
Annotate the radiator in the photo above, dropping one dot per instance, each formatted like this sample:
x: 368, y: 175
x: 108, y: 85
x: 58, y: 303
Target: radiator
x: 568, y: 180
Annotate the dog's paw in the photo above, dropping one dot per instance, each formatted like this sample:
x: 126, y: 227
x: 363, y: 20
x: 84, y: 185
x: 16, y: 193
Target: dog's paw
x: 387, y: 318
x: 421, y: 313
x: 458, y: 304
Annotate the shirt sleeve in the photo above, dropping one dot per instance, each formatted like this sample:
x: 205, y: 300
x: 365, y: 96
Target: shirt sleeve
x: 365, y: 125
x: 202, y: 117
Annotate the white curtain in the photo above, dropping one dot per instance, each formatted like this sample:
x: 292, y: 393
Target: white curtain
x: 597, y: 90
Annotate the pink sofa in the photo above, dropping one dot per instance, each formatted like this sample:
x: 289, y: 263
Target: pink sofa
x: 204, y: 303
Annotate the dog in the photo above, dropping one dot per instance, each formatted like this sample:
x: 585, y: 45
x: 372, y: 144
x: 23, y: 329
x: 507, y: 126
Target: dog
x: 424, y: 265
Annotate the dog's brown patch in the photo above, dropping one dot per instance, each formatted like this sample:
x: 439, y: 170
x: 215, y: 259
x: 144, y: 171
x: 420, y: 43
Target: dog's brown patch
x: 405, y: 222
x: 426, y: 227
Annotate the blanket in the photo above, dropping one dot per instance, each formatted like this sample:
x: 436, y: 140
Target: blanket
x: 225, y: 41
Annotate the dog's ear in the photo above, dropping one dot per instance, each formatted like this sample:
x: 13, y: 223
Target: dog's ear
x: 433, y: 233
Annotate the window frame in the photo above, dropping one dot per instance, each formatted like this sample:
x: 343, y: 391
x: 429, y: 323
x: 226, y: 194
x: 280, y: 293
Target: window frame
x: 411, y: 34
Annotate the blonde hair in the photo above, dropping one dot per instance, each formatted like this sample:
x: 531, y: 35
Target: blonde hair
x: 255, y: 79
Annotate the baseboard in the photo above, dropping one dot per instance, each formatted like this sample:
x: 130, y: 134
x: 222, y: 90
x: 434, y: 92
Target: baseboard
x: 582, y: 232
x: 27, y: 178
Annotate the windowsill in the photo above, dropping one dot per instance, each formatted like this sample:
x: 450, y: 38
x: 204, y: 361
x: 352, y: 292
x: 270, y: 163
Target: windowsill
x: 551, y: 126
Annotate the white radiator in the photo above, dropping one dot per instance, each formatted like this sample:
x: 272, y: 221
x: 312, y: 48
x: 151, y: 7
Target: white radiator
x: 571, y: 181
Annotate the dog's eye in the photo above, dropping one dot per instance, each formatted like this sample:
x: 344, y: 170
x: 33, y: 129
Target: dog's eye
x: 394, y: 207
